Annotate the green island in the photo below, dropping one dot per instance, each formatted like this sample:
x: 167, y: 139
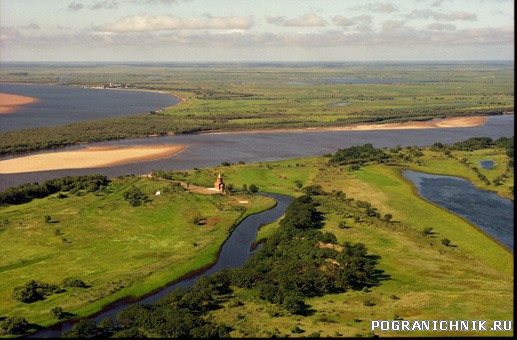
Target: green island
x: 227, y: 97
x: 357, y: 244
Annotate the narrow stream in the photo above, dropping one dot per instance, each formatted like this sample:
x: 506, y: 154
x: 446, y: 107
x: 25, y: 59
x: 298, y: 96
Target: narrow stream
x: 234, y: 253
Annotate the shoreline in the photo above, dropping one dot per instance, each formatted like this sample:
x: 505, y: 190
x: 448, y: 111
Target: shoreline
x: 10, y: 103
x: 90, y: 157
x: 448, y: 122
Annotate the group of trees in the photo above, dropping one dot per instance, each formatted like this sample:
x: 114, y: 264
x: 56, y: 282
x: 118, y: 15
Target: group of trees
x: 34, y: 290
x: 26, y: 192
x: 181, y: 314
x: 298, y: 261
x: 358, y: 155
x: 135, y: 196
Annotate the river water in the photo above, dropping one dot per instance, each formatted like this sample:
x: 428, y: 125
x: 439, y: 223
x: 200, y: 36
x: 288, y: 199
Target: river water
x: 489, y: 212
x: 234, y: 253
x: 61, y: 105
x: 209, y: 150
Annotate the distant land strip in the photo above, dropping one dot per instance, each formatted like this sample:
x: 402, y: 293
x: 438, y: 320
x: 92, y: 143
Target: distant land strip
x: 448, y: 122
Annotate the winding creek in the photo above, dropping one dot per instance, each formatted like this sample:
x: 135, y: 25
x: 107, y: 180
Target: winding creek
x: 234, y: 253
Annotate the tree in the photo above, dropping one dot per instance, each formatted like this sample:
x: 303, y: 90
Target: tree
x: 388, y: 217
x: 14, y: 325
x: 427, y: 231
x: 135, y: 196
x: 83, y: 329
x: 57, y: 312
x: 446, y: 242
x: 253, y: 188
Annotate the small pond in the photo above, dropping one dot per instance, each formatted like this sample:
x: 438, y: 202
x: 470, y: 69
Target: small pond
x: 491, y: 213
x: 487, y: 164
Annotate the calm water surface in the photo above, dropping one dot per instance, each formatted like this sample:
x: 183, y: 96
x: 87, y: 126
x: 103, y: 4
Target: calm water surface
x: 208, y: 150
x: 487, y: 164
x: 61, y: 105
x: 491, y: 213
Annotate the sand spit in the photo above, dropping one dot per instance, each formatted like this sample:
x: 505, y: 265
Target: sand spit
x: 449, y: 122
x: 9, y: 103
x: 91, y: 157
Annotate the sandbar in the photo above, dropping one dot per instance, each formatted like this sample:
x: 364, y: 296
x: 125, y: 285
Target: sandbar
x: 448, y: 122
x: 90, y: 157
x: 9, y: 103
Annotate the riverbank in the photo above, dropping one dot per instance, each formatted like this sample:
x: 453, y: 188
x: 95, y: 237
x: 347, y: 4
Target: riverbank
x: 91, y: 157
x: 94, y: 157
x: 448, y: 122
x: 10, y: 103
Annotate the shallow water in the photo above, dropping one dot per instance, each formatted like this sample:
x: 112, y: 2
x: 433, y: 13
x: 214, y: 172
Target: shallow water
x: 489, y: 212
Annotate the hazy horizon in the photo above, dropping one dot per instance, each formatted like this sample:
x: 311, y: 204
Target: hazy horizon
x: 255, y: 31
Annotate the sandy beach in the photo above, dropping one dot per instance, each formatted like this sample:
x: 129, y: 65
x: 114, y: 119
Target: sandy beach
x: 9, y: 103
x: 91, y: 157
x: 449, y: 122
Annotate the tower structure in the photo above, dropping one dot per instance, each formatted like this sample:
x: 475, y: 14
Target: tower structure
x: 219, y: 183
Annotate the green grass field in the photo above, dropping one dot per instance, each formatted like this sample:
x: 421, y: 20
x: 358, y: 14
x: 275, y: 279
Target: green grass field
x: 117, y: 249
x: 121, y: 250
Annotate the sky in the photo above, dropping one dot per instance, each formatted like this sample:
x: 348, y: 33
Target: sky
x: 256, y: 30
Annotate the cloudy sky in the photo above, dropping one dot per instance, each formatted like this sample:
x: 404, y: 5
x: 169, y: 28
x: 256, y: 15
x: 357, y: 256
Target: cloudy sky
x: 256, y: 30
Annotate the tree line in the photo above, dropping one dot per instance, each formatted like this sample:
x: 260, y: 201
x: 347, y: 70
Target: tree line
x: 26, y: 192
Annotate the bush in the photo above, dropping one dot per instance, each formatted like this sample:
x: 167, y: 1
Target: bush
x: 14, y: 325
x: 57, y: 312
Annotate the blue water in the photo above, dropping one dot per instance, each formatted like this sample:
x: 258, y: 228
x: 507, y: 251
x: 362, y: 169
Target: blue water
x: 487, y: 164
x: 61, y: 105
x: 491, y: 213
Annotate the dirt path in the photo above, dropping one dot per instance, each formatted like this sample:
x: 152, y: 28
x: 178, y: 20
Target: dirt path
x: 188, y: 186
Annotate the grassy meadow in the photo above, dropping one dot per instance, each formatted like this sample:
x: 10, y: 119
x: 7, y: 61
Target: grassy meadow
x: 119, y: 250
x: 116, y: 249
x: 472, y: 280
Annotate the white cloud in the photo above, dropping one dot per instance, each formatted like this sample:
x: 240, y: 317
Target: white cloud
x: 75, y: 6
x: 31, y: 26
x: 307, y: 20
x: 441, y: 27
x: 106, y: 4
x: 146, y: 22
x: 340, y: 20
x: 427, y: 13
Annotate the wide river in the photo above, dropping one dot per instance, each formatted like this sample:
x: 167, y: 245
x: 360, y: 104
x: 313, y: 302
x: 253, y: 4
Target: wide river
x: 208, y: 150
x: 61, y: 105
